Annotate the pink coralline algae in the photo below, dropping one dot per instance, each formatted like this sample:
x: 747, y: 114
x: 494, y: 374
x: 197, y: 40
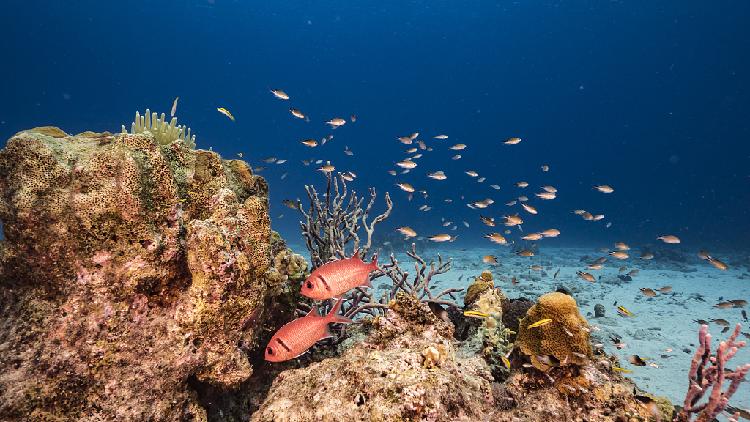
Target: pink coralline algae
x: 130, y: 273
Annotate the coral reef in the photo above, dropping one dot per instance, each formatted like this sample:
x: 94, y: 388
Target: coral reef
x: 130, y: 273
x: 563, y: 341
x: 710, y: 372
x: 408, y: 367
x: 333, y: 222
x: 482, y: 283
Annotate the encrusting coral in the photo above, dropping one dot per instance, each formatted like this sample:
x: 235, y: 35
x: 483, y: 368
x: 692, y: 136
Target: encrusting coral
x: 131, y: 273
x: 563, y: 341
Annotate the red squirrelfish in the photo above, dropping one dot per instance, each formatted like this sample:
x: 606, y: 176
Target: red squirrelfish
x: 295, y: 337
x: 338, y: 277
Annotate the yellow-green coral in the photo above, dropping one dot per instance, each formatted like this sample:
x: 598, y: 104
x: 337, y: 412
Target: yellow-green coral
x: 164, y: 132
x: 479, y: 286
x: 566, y: 338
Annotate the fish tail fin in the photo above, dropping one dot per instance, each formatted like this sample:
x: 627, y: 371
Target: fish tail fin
x: 334, y: 316
x: 374, y: 262
x: 453, y: 239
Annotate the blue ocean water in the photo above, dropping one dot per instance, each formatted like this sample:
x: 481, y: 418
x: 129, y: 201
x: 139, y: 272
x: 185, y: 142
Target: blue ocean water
x: 650, y: 98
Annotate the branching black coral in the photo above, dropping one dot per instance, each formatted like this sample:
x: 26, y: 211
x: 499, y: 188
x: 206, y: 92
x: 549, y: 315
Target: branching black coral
x: 336, y: 220
x: 360, y: 301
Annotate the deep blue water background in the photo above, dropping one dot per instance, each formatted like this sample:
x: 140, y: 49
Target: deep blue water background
x: 650, y: 97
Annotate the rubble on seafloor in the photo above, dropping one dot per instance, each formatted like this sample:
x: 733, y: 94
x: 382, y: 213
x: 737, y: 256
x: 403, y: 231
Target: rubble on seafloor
x: 139, y: 281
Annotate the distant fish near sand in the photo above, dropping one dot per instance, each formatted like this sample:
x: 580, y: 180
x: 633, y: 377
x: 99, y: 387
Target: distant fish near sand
x: 669, y: 239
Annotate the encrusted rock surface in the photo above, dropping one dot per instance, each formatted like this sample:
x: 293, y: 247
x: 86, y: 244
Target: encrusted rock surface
x: 411, y: 369
x: 129, y: 271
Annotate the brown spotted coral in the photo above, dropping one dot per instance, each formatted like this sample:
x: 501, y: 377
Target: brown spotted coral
x: 565, y: 339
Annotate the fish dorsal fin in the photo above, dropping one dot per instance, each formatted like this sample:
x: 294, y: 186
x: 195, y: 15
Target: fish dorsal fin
x: 355, y: 255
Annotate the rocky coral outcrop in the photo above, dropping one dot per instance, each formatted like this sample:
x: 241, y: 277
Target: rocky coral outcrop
x: 406, y: 369
x: 129, y: 271
x: 563, y: 341
x: 410, y: 368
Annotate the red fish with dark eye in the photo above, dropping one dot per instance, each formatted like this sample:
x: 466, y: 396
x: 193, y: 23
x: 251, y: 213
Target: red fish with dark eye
x: 295, y: 337
x: 338, y: 277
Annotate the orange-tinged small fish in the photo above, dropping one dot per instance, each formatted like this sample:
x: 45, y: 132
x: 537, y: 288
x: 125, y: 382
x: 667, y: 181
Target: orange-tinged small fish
x: 456, y: 157
x: 536, y: 267
x: 648, y: 292
x: 298, y: 114
x: 619, y: 255
x: 513, y: 220
x: 441, y: 137
x: 511, y: 203
x: 532, y: 236
x: 489, y: 259
x: 407, y: 231
x: 312, y: 143
x: 471, y: 173
x: 406, y: 140
x: 522, y: 184
x: 297, y: 336
x: 406, y: 164
x: 422, y: 145
x: 546, y: 195
x: 327, y: 167
x: 437, y: 175
x: 392, y: 172
x: 496, y: 238
x: 338, y: 277
x: 489, y: 221
x: 529, y: 209
x: 225, y: 112
x: 280, y: 94
x: 442, y: 237
x: 665, y: 289
x: 411, y: 150
x: 586, y: 276
x: 512, y: 141
x: 595, y: 266
x: 647, y: 255
x: 717, y: 264
x: 604, y: 188
x: 545, y: 168
x: 525, y: 253
x: 550, y: 189
x: 336, y: 122
x: 551, y: 233
x: 406, y: 187
x: 621, y: 246
x: 458, y: 147
x: 668, y: 238
x: 523, y: 198
x: 704, y: 255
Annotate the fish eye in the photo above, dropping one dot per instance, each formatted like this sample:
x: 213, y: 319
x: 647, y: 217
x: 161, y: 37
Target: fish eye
x: 309, y: 285
x: 269, y: 350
